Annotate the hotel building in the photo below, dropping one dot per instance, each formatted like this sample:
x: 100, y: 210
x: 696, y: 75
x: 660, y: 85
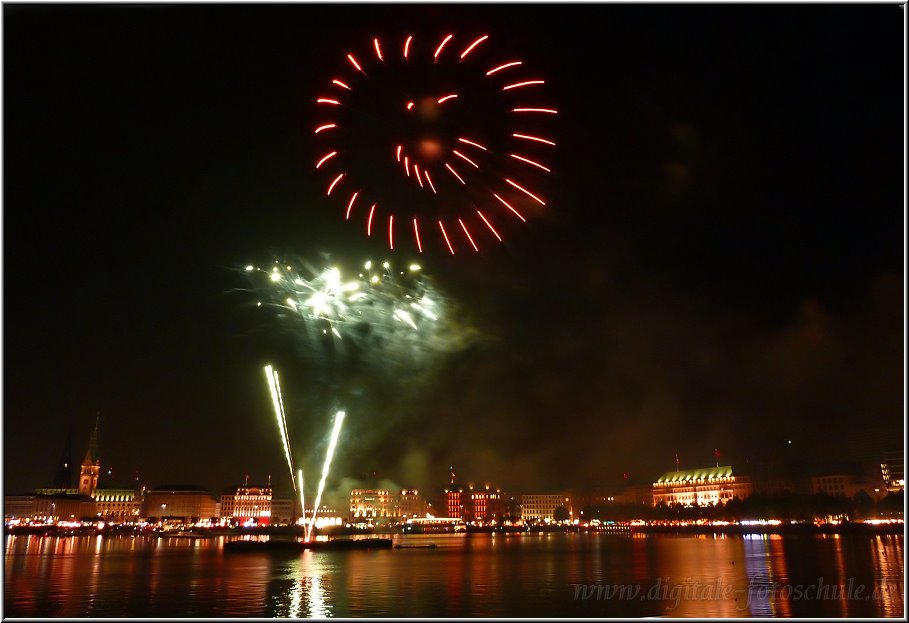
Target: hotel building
x: 246, y: 505
x: 373, y: 505
x: 707, y: 485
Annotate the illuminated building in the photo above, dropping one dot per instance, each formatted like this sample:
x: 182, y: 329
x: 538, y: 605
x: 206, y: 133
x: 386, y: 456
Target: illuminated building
x: 245, y: 505
x: 707, y: 485
x: 893, y: 471
x: 471, y: 504
x: 456, y: 500
x: 411, y: 504
x: 541, y: 506
x: 115, y: 505
x: 372, y: 504
x: 91, y: 465
x: 486, y: 505
x: 187, y: 503
x: 55, y: 491
x: 118, y: 505
x: 326, y: 517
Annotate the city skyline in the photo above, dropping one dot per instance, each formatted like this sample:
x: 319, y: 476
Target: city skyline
x: 719, y: 267
x: 877, y: 476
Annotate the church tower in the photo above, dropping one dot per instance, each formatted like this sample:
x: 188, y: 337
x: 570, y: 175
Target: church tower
x: 91, y: 466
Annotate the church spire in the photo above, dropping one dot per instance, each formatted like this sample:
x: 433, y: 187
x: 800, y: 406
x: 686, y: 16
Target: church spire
x: 91, y: 456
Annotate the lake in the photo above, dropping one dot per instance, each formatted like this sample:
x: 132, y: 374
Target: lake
x: 489, y: 575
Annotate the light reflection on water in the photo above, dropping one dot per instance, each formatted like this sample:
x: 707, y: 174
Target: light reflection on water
x: 480, y: 575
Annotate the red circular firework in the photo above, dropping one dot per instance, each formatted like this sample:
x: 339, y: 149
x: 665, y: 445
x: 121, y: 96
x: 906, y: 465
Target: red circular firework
x: 435, y: 141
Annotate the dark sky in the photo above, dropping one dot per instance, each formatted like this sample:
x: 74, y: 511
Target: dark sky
x: 720, y: 264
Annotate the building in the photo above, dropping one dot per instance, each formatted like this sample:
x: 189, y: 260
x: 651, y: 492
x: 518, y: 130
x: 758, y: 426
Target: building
x: 246, y: 505
x: 846, y: 485
x: 487, y: 505
x: 411, y: 504
x: 91, y: 465
x: 118, y: 505
x: 773, y: 486
x: 48, y: 508
x: 283, y: 511
x: 374, y: 506
x: 638, y: 494
x: 184, y: 503
x: 592, y: 497
x: 541, y: 506
x: 456, y: 501
x: 63, y: 507
x: 327, y: 517
x: 21, y: 507
x: 114, y: 505
x: 893, y: 471
x: 512, y: 505
x: 707, y: 485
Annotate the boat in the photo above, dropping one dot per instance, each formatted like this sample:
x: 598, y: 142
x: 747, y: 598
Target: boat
x: 299, y: 546
x: 434, y: 525
x: 427, y: 546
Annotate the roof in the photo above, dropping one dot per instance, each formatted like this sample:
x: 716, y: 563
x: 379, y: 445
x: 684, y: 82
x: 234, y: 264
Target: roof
x: 702, y: 473
x: 66, y: 496
x: 179, y: 489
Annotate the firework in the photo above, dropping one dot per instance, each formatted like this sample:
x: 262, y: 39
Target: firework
x: 278, y: 402
x: 386, y: 312
x: 439, y: 127
x: 302, y: 499
x: 332, y: 443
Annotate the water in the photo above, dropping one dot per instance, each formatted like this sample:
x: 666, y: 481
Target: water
x: 481, y: 575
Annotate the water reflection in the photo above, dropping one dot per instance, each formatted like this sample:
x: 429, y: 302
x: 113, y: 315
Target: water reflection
x: 889, y: 565
x: 482, y: 575
x: 759, y: 580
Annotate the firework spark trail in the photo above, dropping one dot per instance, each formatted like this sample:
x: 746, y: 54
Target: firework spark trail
x: 302, y: 499
x: 284, y: 434
x: 332, y: 443
x: 278, y: 402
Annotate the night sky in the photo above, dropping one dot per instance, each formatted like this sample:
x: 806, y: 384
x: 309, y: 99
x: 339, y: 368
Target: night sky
x: 720, y: 264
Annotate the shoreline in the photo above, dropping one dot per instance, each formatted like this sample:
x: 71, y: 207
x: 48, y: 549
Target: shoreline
x: 736, y: 529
